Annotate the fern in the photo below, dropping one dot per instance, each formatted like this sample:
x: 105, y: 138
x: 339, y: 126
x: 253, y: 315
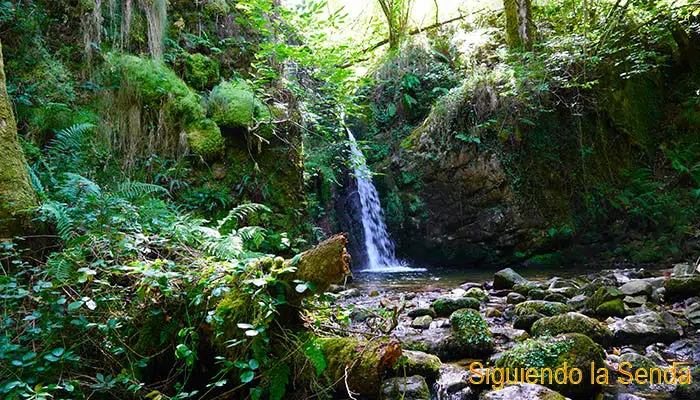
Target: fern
x: 132, y: 190
x: 58, y: 212
x: 60, y: 266
x: 76, y: 186
x: 254, y: 234
x: 69, y: 139
x: 239, y: 214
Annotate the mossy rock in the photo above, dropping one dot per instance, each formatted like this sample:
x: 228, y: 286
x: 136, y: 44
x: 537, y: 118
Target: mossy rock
x: 682, y: 288
x: 477, y: 293
x: 405, y: 388
x: 603, y: 295
x: 419, y: 312
x: 556, y: 297
x: 546, y: 308
x: 574, y: 349
x: 205, y: 139
x: 235, y: 307
x: 537, y: 294
x: 637, y: 361
x: 572, y: 323
x: 201, y: 72
x: 418, y: 363
x: 232, y: 105
x: 156, y: 86
x: 472, y: 333
x: 524, y: 288
x: 506, y: 279
x: 447, y: 305
x: 612, y: 308
x: 364, y: 377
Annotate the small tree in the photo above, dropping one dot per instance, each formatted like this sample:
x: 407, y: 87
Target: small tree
x: 16, y: 193
x: 396, y: 13
x: 519, y: 26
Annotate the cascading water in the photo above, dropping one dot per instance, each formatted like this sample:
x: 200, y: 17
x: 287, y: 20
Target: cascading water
x: 380, y: 249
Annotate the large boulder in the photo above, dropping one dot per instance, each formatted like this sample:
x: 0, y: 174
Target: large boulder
x: 645, y: 329
x: 606, y: 302
x: 526, y: 313
x: 574, y: 349
x: 506, y: 279
x: 522, y: 391
x: 405, y: 388
x: 572, y: 323
x: 637, y: 287
x: 419, y: 363
x: 444, y: 306
x: 682, y: 288
x: 472, y: 333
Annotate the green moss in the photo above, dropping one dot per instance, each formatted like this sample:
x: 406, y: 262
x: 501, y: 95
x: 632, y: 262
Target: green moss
x: 682, y: 288
x: 205, y: 139
x: 201, y: 72
x: 602, y: 295
x: 217, y: 7
x: 576, y: 350
x: 418, y: 363
x: 540, y: 307
x: 477, y: 293
x: 234, y: 308
x: 612, y: 308
x: 157, y: 86
x: 446, y: 305
x: 232, y: 105
x: 471, y: 330
x: 572, y: 323
x: 364, y: 358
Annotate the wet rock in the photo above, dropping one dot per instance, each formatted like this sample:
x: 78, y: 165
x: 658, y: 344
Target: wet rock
x: 506, y: 279
x: 468, y: 285
x: 597, y: 283
x: 681, y: 288
x: 684, y: 350
x: 373, y: 293
x: 560, y: 283
x: 525, y: 287
x: 691, y: 391
x: 360, y: 314
x: 419, y: 363
x: 576, y: 350
x: 422, y: 322
x: 636, y: 361
x: 419, y: 312
x: 612, y: 308
x: 472, y: 333
x: 515, y: 298
x: 692, y: 312
x: 522, y: 391
x: 637, y: 287
x: 556, y: 297
x: 445, y: 306
x: 572, y: 323
x: 577, y: 302
x: 537, y: 294
x: 635, y: 301
x: 683, y: 270
x: 477, y: 293
x: 525, y: 322
x: 511, y: 334
x: 453, y: 384
x: 350, y: 293
x: 546, y: 308
x: 333, y: 288
x: 493, y: 312
x: 385, y: 302
x: 405, y: 388
x: 644, y: 329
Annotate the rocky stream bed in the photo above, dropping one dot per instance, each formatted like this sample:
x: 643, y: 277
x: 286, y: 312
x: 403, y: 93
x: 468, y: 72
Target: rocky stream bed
x: 623, y: 321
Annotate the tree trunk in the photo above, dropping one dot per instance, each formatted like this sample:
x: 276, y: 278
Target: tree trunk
x: 17, y: 197
x: 519, y: 25
x: 327, y: 263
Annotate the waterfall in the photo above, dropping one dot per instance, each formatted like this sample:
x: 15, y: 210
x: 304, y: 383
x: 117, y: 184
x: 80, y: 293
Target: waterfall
x: 381, y: 252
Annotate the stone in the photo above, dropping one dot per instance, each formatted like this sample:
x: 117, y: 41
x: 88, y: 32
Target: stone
x: 360, y: 314
x: 681, y: 270
x: 373, y: 293
x: 468, y: 285
x: 560, y: 283
x: 472, y: 333
x: 577, y: 302
x: 572, y: 323
x: 644, y: 329
x: 637, y: 361
x: 556, y: 297
x: 635, y: 301
x: 689, y: 392
x: 515, y: 298
x: 522, y: 391
x: 493, y: 312
x: 506, y: 279
x: 692, y: 313
x: 419, y: 312
x: 349, y: 293
x: 537, y: 294
x: 445, y: 306
x: 405, y: 388
x: 419, y: 363
x: 422, y: 322
x: 612, y: 308
x: 574, y: 349
x: 385, y: 302
x: 477, y: 293
x: 681, y: 288
x: 545, y: 308
x: 637, y: 287
x: 525, y: 287
x: 511, y: 334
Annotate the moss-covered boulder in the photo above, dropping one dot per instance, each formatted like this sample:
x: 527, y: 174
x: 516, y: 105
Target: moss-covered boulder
x: 472, y: 333
x: 572, y: 323
x: 419, y: 312
x: 201, y: 72
x: 612, y: 308
x: 232, y: 105
x: 445, y: 306
x: 556, y: 297
x: 525, y: 287
x: 506, y: 279
x: 545, y: 308
x: 205, y: 139
x: 606, y: 302
x: 418, y: 363
x: 477, y: 293
x: 546, y: 355
x: 682, y: 288
x: 522, y: 391
x: 405, y: 388
x: 645, y: 329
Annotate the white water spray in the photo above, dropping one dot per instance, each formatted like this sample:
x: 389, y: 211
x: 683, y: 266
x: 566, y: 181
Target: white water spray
x: 381, y: 252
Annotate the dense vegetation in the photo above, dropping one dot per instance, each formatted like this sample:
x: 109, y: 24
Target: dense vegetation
x: 165, y: 164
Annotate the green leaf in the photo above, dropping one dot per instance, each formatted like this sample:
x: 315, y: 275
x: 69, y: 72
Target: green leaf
x: 301, y: 288
x: 75, y: 305
x: 247, y: 376
x: 253, y: 364
x: 278, y: 376
x: 313, y: 352
x: 295, y: 260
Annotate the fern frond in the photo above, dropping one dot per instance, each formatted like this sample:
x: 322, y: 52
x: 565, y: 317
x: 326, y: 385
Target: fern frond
x: 36, y: 182
x: 254, y: 234
x: 75, y: 186
x: 240, y: 213
x: 58, y: 212
x: 69, y: 139
x: 131, y: 189
x: 60, y: 266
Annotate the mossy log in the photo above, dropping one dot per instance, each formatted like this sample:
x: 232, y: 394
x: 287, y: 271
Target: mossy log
x: 17, y: 196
